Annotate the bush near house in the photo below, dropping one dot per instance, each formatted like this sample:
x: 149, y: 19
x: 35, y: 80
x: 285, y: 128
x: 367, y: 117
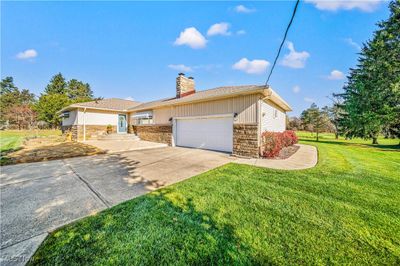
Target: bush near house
x: 274, y: 142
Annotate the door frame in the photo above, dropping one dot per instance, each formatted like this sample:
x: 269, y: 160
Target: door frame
x: 126, y: 124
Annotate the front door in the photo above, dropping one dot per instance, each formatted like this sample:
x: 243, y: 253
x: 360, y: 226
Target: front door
x: 122, y: 123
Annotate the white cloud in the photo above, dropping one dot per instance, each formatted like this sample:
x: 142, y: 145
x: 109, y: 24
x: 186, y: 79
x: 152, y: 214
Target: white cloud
x: 296, y: 89
x: 295, y: 59
x: 219, y: 29
x: 181, y: 68
x: 241, y: 32
x: 256, y: 66
x: 330, y: 5
x: 309, y: 100
x: 243, y: 9
x: 336, y: 75
x: 129, y: 98
x: 352, y: 43
x: 27, y: 54
x: 192, y: 38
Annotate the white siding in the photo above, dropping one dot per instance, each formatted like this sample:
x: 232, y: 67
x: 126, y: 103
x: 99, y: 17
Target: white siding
x: 268, y: 121
x: 71, y: 120
x: 244, y: 106
x: 93, y: 117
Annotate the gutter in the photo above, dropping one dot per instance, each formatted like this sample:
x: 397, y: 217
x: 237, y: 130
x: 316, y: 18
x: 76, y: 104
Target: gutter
x: 84, y: 124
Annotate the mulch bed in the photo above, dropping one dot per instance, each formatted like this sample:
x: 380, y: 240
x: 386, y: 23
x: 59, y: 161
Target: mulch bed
x: 286, y: 152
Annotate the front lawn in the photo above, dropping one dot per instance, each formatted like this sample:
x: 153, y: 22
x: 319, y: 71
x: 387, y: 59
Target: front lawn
x: 25, y: 146
x: 12, y: 140
x: 346, y: 210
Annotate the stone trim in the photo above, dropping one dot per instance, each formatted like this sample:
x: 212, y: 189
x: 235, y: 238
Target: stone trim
x: 73, y: 129
x: 245, y: 140
x: 155, y: 133
x: 92, y: 131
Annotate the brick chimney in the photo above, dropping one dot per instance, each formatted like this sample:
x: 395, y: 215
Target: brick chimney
x: 184, y: 86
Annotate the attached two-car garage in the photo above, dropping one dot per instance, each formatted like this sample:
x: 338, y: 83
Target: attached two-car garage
x: 211, y: 133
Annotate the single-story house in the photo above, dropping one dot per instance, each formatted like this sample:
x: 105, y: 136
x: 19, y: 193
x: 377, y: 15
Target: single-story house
x: 229, y: 119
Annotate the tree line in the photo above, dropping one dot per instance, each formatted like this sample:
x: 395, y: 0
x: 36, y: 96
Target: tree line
x: 21, y: 109
x: 369, y: 104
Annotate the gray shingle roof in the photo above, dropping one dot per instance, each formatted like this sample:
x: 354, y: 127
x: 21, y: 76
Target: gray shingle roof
x: 107, y: 104
x: 219, y: 92
x: 201, y: 95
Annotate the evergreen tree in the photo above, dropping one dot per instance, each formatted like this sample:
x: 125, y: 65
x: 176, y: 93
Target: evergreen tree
x: 48, y: 107
x: 372, y: 95
x: 58, y: 94
x: 314, y: 119
x: 57, y: 85
x: 78, y: 91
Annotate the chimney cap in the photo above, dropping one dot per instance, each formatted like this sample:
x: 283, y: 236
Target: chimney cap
x: 181, y: 74
x: 190, y: 77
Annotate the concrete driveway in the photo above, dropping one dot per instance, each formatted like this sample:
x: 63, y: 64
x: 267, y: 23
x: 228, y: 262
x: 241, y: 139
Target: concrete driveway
x: 39, y: 197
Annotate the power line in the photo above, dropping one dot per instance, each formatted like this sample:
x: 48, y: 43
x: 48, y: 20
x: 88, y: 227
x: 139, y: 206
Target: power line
x: 283, y: 41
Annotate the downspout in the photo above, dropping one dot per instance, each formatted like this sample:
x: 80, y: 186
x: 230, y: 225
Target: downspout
x: 259, y: 113
x: 84, y: 124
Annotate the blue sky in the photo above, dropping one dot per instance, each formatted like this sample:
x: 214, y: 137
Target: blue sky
x: 136, y: 49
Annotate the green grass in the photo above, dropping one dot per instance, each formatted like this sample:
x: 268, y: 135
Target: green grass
x: 12, y: 140
x: 346, y: 210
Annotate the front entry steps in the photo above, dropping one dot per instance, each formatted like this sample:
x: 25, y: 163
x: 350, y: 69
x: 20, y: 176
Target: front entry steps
x: 118, y: 137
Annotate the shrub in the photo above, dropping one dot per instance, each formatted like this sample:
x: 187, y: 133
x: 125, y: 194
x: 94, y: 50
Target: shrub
x: 109, y: 129
x: 273, y: 142
x: 289, y: 138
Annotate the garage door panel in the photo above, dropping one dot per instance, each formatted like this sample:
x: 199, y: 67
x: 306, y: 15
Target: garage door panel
x: 205, y: 133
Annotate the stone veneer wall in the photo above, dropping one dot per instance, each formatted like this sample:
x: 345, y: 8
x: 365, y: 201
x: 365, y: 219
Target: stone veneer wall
x: 92, y: 131
x: 155, y: 133
x: 245, y: 140
x: 70, y: 129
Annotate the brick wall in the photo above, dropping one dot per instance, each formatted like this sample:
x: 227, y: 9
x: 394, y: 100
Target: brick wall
x: 155, y: 133
x: 245, y: 140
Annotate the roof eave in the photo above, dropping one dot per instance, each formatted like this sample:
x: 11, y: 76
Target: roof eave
x: 259, y: 90
x: 274, y: 97
x: 72, y: 107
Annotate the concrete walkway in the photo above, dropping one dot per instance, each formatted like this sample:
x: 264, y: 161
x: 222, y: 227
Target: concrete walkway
x: 305, y: 157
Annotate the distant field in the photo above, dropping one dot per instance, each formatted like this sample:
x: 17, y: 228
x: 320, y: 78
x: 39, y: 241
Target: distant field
x: 304, y: 135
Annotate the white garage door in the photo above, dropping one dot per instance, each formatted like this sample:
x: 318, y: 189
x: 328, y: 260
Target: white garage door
x: 205, y: 133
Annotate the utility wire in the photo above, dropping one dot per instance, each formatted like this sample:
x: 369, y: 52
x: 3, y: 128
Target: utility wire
x: 283, y: 41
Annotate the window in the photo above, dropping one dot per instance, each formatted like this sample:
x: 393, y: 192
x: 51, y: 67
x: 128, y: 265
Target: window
x: 144, y: 121
x: 275, y: 113
x: 65, y: 115
x: 142, y: 118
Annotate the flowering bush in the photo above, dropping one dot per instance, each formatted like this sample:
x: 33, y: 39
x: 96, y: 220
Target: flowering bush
x: 273, y: 142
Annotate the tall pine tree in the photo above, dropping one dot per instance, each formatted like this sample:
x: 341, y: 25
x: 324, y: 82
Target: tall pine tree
x: 57, y: 85
x: 372, y: 95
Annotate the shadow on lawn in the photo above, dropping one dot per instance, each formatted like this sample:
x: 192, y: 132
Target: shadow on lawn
x: 150, y: 230
x: 338, y: 142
